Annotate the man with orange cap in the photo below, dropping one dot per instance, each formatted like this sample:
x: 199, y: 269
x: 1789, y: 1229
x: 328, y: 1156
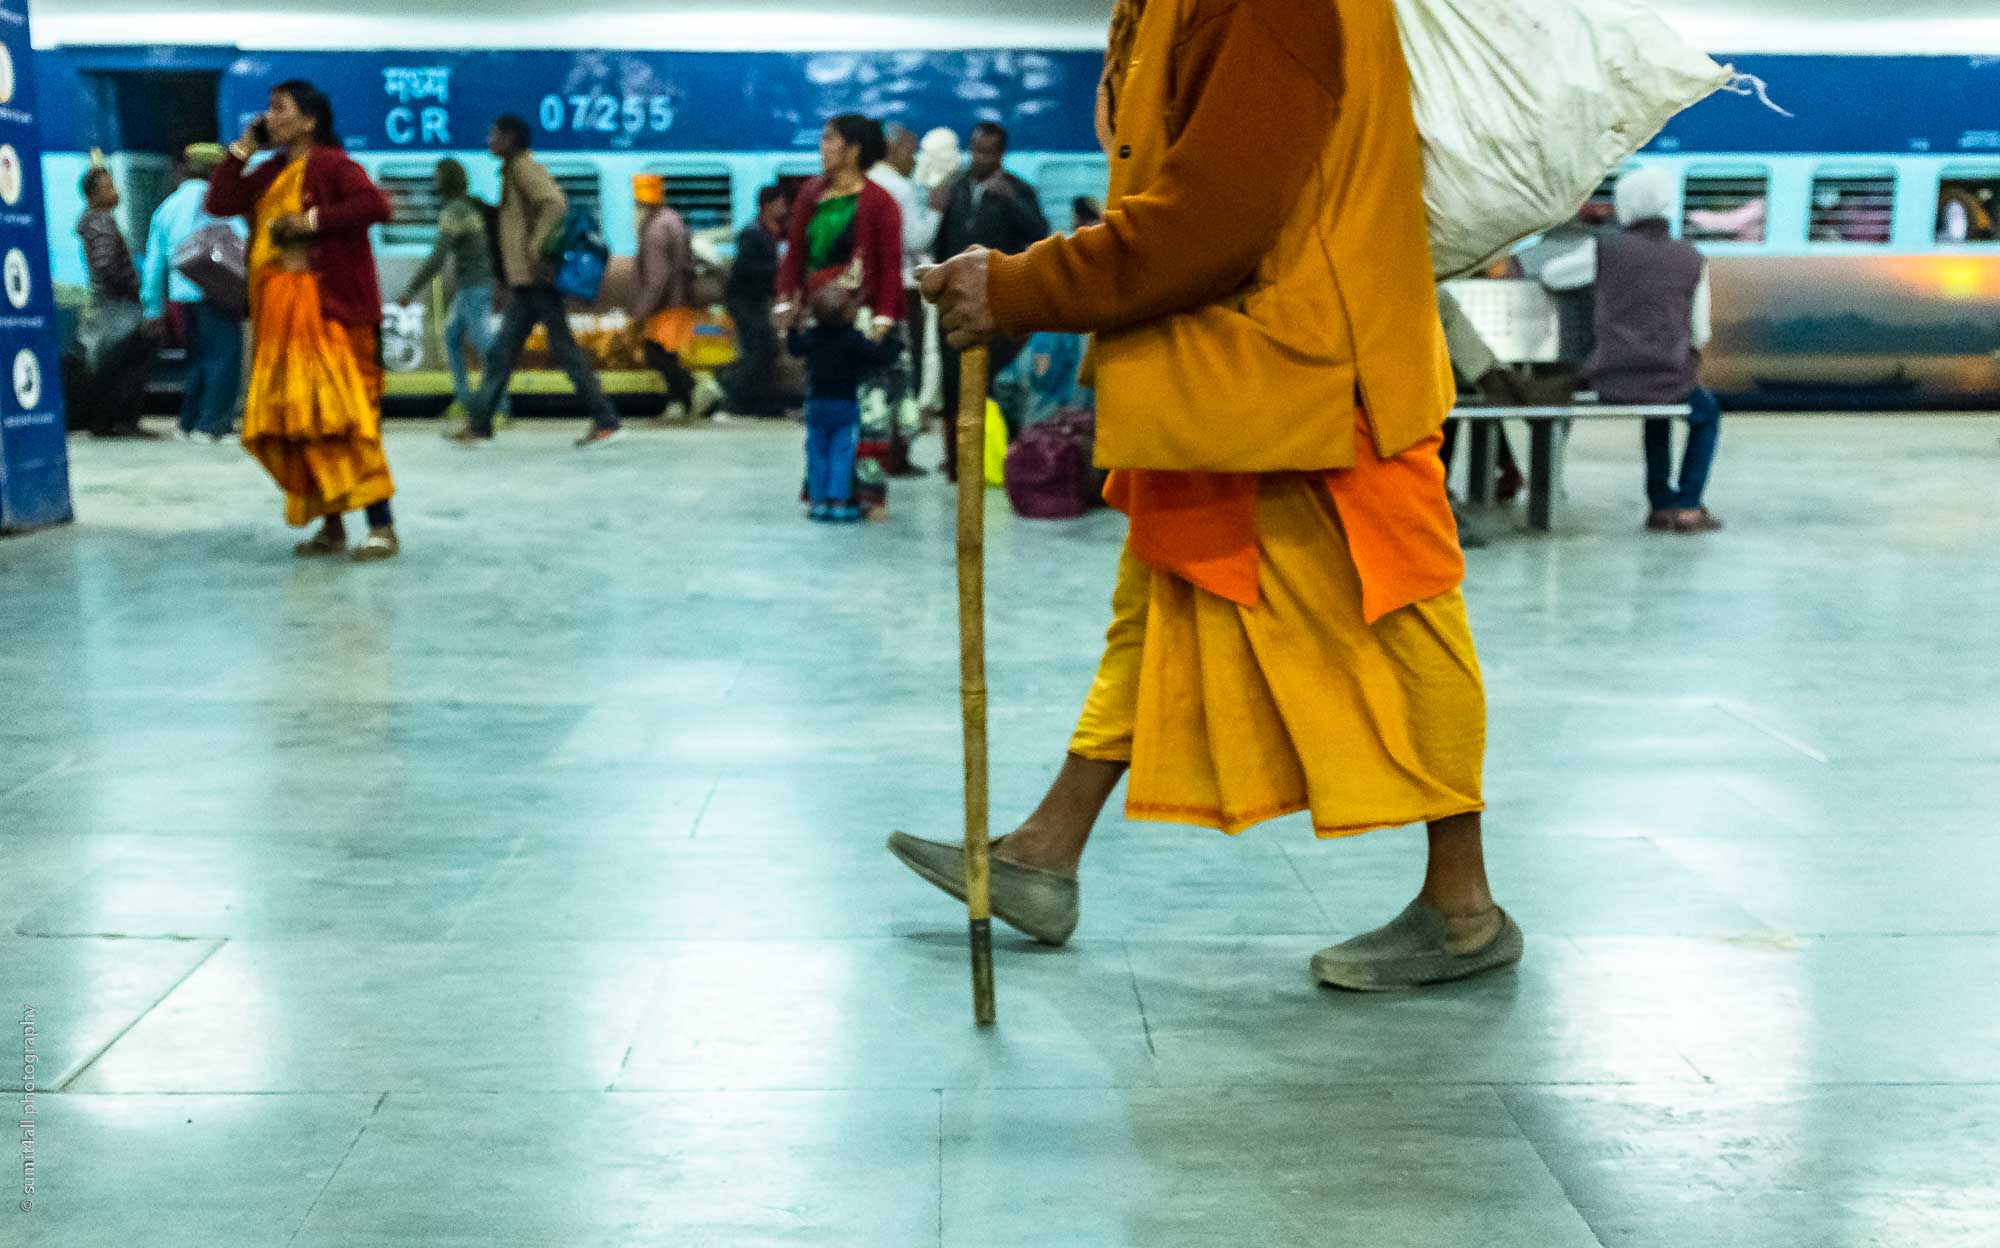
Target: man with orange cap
x: 1288, y: 631
x: 662, y: 315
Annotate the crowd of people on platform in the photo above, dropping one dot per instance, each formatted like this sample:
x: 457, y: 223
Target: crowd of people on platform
x: 825, y: 276
x: 885, y: 203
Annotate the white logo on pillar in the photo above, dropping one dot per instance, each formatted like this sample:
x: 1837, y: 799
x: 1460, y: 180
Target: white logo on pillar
x: 10, y: 174
x: 20, y: 282
x: 27, y: 380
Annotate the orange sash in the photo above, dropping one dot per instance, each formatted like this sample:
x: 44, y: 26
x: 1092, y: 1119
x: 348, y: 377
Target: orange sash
x: 1202, y: 527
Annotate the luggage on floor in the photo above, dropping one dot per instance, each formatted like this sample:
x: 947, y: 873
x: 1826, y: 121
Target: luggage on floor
x: 1049, y: 471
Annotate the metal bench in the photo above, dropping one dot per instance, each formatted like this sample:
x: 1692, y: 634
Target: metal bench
x: 1548, y: 435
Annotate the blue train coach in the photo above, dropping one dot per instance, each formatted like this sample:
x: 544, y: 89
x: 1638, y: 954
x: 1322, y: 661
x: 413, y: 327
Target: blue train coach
x: 1856, y: 243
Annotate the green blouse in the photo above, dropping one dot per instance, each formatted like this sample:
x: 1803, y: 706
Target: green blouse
x: 830, y: 223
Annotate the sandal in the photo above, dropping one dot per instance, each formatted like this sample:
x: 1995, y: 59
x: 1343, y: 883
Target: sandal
x: 381, y: 544
x: 321, y: 544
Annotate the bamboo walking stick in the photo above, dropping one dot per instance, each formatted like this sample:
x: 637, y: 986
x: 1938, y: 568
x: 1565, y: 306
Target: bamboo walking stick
x: 971, y: 433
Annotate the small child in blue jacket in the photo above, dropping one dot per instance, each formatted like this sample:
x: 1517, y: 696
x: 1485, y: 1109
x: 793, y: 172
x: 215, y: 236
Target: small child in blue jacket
x: 837, y: 357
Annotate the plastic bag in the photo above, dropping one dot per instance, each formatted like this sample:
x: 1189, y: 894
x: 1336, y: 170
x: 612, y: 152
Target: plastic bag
x: 109, y: 333
x: 1526, y: 107
x: 996, y: 445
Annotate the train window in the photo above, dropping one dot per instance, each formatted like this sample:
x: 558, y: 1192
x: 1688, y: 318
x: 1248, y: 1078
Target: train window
x: 1726, y: 205
x: 1602, y: 205
x: 790, y: 179
x: 413, y: 203
x: 1060, y: 183
x: 1969, y: 208
x: 1849, y: 208
x: 705, y: 197
x: 579, y: 182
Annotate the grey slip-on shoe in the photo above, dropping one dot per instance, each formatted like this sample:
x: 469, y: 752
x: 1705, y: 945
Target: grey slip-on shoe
x: 1041, y: 904
x: 1413, y: 950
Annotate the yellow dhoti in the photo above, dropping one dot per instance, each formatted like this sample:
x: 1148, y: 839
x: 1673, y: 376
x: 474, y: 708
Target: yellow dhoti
x: 1232, y: 715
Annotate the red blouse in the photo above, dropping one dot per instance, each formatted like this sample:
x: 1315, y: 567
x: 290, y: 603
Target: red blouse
x: 878, y: 239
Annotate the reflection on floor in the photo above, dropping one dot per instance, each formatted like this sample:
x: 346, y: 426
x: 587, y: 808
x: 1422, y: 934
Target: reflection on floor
x: 529, y: 890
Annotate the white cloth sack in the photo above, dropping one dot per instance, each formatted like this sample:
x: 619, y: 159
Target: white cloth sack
x: 1526, y: 106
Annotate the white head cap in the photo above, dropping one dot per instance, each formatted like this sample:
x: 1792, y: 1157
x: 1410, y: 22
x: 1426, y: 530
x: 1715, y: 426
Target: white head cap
x: 938, y: 157
x: 1645, y: 194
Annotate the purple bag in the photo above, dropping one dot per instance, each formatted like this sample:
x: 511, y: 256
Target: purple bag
x: 215, y: 259
x: 1049, y: 472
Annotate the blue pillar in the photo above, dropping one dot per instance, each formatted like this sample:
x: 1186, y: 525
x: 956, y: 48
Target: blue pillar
x: 34, y: 454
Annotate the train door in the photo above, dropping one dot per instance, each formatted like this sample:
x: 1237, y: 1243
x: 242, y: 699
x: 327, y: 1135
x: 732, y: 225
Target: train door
x: 145, y: 118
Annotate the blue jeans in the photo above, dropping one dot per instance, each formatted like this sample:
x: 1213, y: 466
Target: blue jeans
x: 215, y: 370
x: 468, y: 323
x: 1704, y: 430
x: 833, y: 428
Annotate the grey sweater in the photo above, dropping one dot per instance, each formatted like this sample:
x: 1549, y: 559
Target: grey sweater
x: 113, y: 276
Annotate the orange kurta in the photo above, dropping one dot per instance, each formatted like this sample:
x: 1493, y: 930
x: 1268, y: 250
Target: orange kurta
x: 313, y: 411
x: 1286, y: 305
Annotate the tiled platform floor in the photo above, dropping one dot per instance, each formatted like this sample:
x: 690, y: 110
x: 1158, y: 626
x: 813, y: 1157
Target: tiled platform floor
x: 529, y: 890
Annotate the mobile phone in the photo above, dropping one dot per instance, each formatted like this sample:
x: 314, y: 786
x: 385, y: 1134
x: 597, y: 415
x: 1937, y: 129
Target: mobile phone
x: 260, y: 130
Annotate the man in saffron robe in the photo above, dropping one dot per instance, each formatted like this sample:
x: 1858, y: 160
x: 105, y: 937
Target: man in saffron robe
x: 1288, y: 631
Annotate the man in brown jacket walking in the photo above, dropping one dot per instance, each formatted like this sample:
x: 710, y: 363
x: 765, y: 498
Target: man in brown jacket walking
x: 531, y: 207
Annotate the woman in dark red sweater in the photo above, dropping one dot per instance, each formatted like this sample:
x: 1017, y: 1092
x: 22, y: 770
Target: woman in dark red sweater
x: 848, y: 230
x: 844, y: 227
x: 313, y: 412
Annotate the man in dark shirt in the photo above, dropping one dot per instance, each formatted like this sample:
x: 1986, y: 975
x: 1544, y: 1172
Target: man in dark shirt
x: 118, y: 354
x: 752, y: 290
x: 985, y: 206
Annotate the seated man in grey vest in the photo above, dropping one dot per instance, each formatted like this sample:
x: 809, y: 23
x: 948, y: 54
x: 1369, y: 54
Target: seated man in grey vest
x: 1652, y: 322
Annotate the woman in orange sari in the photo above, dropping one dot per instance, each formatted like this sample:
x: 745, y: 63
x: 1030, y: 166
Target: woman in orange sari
x: 313, y: 415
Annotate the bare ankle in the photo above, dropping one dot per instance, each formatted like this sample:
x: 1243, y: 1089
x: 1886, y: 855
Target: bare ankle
x: 1461, y: 906
x: 1030, y: 846
x: 1467, y: 932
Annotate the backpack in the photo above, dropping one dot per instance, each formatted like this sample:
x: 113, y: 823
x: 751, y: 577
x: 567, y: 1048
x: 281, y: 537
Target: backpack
x: 489, y: 216
x: 577, y: 246
x: 1049, y: 471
